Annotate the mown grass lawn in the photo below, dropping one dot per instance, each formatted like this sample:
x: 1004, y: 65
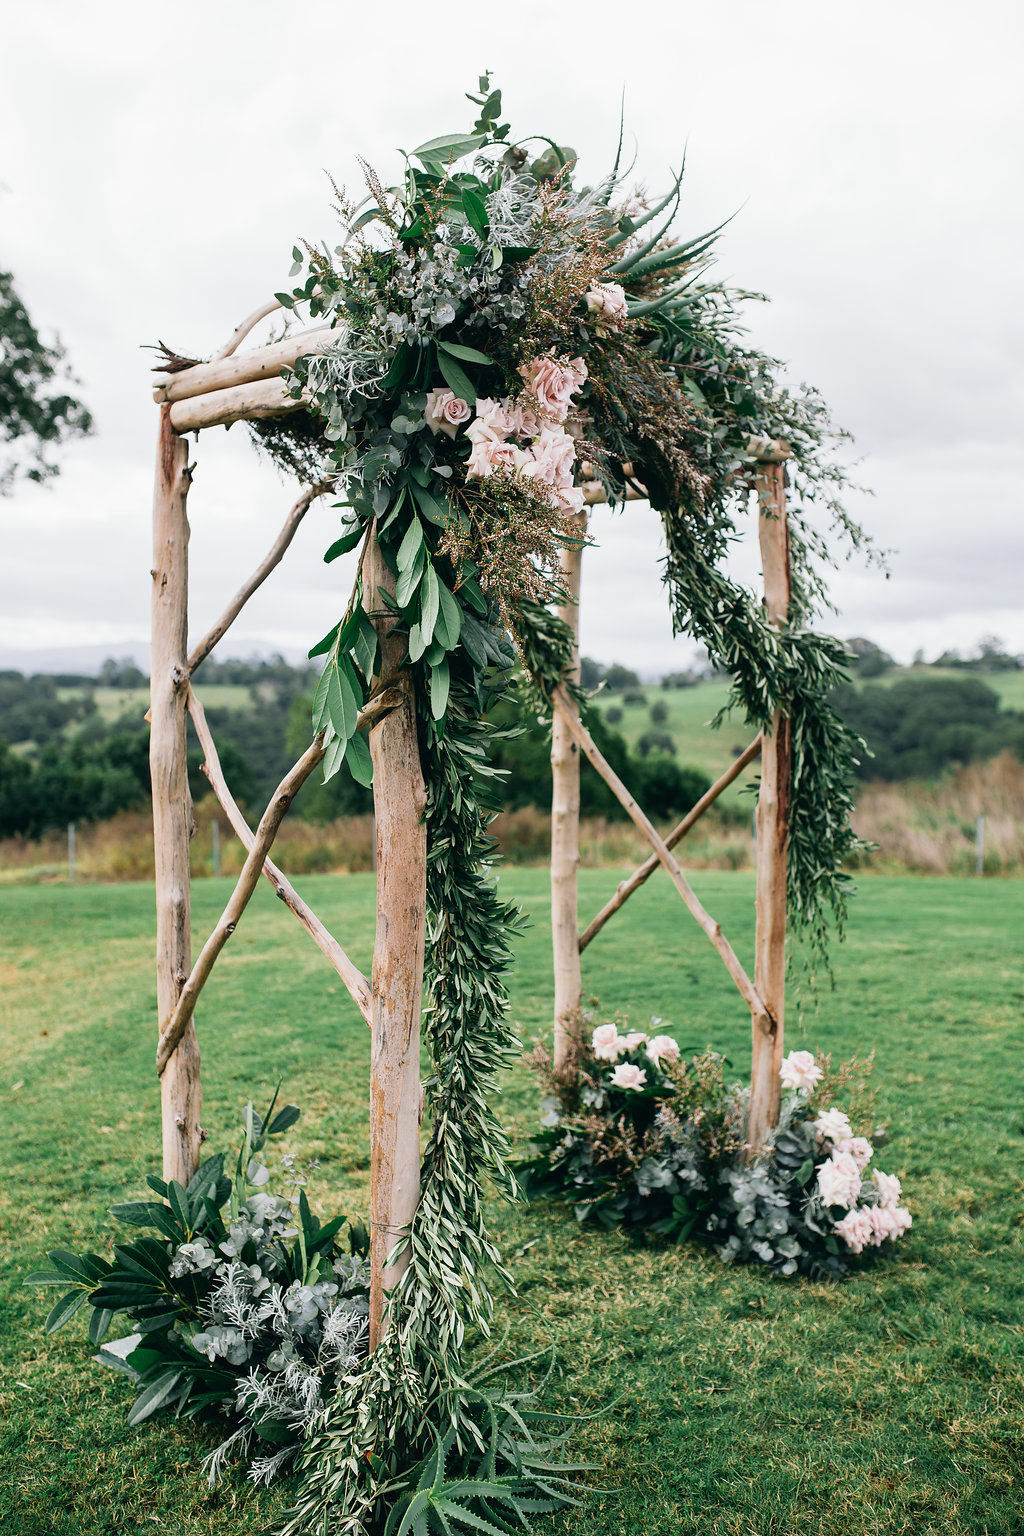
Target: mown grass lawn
x: 747, y: 1407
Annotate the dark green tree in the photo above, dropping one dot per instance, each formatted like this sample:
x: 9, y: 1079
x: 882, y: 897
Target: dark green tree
x: 37, y: 413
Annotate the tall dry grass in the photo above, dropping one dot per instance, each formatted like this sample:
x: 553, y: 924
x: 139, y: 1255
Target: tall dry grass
x: 926, y: 828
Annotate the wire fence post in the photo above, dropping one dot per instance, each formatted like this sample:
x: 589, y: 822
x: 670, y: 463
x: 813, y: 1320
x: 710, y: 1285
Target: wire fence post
x: 71, y: 853
x: 215, y: 836
x: 979, y: 847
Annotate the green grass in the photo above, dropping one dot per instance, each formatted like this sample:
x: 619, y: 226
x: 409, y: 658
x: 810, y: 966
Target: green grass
x: 747, y: 1406
x: 114, y: 703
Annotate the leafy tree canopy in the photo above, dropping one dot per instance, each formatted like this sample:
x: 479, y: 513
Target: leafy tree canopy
x: 36, y: 412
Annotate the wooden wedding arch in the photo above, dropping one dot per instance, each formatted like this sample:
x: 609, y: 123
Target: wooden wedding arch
x: 247, y: 386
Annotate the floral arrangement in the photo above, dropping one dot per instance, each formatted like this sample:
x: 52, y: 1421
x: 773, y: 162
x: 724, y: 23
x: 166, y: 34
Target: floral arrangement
x: 633, y: 1133
x: 245, y: 1307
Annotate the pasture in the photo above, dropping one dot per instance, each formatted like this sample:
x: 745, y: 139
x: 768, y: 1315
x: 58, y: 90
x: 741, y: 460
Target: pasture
x: 746, y: 1406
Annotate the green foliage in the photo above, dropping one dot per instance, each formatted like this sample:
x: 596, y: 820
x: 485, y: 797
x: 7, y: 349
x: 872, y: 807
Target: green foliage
x: 919, y: 725
x: 36, y: 414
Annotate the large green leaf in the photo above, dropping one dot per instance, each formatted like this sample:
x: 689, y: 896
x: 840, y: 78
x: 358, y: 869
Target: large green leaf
x: 447, y: 148
x: 467, y: 354
x: 65, y: 1308
x: 431, y: 602
x: 455, y: 378
x: 360, y: 764
x: 156, y: 1396
x: 440, y: 680
x: 449, y: 621
x: 410, y: 546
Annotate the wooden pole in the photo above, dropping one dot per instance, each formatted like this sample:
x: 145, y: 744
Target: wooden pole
x: 772, y: 828
x: 565, y: 825
x: 180, y: 1090
x: 399, y: 802
x: 626, y: 888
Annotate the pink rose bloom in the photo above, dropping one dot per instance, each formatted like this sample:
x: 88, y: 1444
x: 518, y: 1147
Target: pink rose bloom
x: 834, y: 1126
x: 889, y: 1188
x: 859, y: 1148
x: 571, y: 497
x: 628, y: 1076
x: 491, y: 453
x: 553, y: 383
x: 663, y: 1048
x: 607, y: 1042
x: 901, y: 1220
x: 445, y: 412
x: 839, y: 1180
x: 855, y: 1230
x: 554, y: 455
x: 607, y: 301
x: 633, y: 1039
x: 799, y: 1070
x: 522, y: 422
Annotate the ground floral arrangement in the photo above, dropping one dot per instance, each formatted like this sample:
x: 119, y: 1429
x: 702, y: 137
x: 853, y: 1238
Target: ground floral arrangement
x: 246, y: 1308
x: 636, y: 1135
x: 502, y: 331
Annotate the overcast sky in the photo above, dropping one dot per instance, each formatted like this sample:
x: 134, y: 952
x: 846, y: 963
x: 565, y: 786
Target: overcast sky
x: 158, y: 163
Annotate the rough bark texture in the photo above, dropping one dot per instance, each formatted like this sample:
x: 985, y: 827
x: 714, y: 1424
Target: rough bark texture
x: 772, y: 829
x: 246, y: 368
x: 180, y: 1091
x: 245, y: 402
x: 399, y: 802
x: 565, y: 828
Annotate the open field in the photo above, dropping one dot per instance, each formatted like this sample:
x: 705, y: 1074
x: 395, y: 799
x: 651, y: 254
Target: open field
x: 749, y: 1407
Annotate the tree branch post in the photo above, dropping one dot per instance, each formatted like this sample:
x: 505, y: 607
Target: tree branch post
x: 180, y: 1090
x: 399, y: 803
x: 772, y: 827
x: 565, y: 824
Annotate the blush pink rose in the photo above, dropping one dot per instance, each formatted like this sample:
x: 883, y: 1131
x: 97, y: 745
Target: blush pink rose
x: 571, y: 497
x: 839, y: 1180
x: 856, y: 1230
x: 445, y: 412
x: 833, y: 1125
x: 554, y: 454
x: 859, y: 1148
x: 799, y: 1070
x: 662, y: 1048
x: 626, y: 1075
x: 633, y: 1039
x: 607, y: 301
x: 553, y: 383
x: 607, y: 1042
x: 889, y: 1188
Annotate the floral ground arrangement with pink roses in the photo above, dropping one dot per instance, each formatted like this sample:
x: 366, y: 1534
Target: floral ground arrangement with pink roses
x: 636, y: 1135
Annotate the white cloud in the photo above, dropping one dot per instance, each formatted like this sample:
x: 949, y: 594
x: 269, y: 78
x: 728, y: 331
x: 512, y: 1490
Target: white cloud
x: 161, y: 164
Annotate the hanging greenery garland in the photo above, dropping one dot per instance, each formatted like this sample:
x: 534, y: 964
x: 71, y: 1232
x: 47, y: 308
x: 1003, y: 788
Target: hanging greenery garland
x: 494, y: 326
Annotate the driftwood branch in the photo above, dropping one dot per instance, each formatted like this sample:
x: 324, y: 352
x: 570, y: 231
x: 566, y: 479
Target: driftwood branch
x: 246, y: 402
x: 646, y: 870
x: 246, y: 368
x: 665, y: 856
x: 240, y: 332
x: 273, y: 558
x: 239, y: 899
x: 249, y: 878
x: 356, y: 983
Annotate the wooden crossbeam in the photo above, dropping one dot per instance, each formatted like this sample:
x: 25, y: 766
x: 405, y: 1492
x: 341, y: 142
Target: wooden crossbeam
x: 646, y: 870
x: 272, y: 559
x: 356, y: 983
x: 244, y: 368
x: 258, y: 401
x: 745, y: 986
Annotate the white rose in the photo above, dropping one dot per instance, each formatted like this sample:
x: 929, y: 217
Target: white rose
x: 859, y: 1148
x: 833, y: 1125
x: 889, y: 1188
x: 633, y: 1039
x: 663, y: 1048
x: 607, y: 301
x: 626, y: 1075
x: 799, y: 1070
x: 607, y: 1043
x: 839, y: 1180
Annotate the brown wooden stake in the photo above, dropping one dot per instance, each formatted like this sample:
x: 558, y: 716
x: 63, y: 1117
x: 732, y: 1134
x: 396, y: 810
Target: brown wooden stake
x: 399, y: 803
x: 180, y: 1090
x: 625, y: 890
x: 772, y: 827
x: 565, y: 825
x: 713, y: 930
